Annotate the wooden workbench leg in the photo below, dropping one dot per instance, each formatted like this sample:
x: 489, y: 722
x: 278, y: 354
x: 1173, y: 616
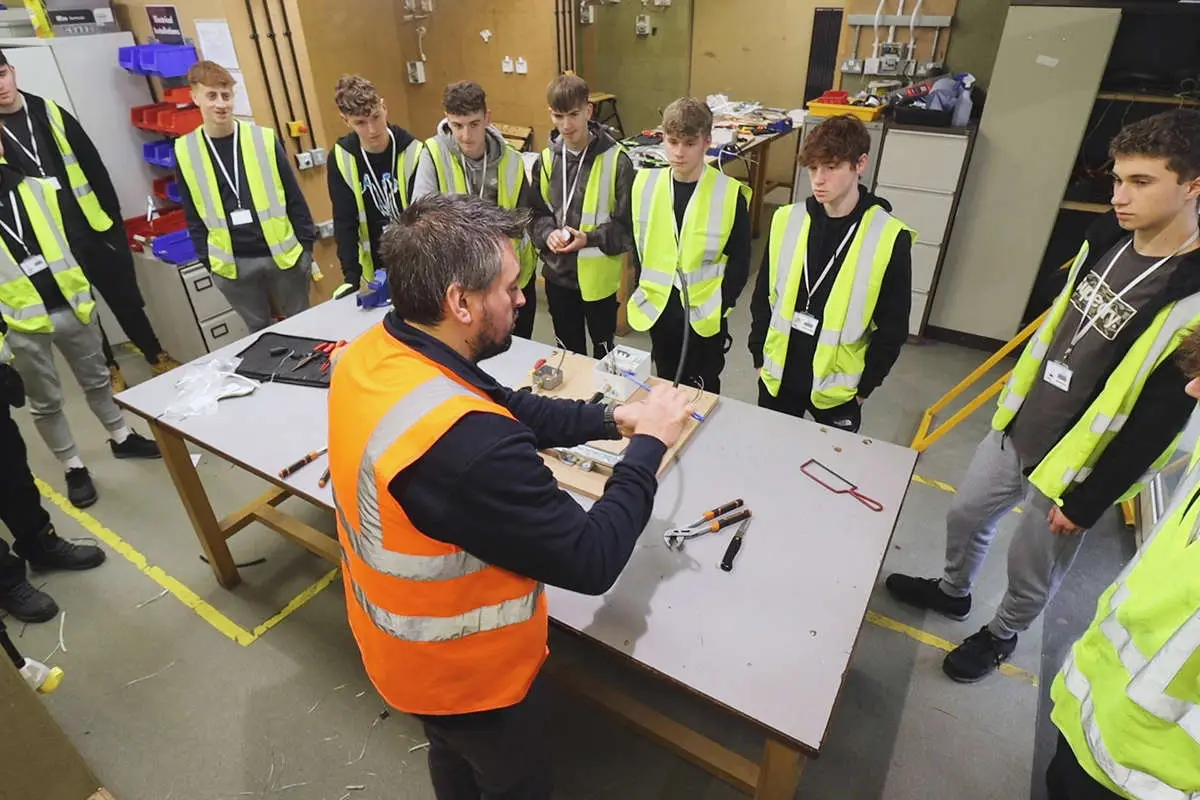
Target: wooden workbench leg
x: 195, y: 501
x: 759, y: 185
x: 779, y: 772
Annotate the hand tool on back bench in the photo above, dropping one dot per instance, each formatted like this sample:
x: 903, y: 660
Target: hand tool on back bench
x: 711, y: 522
x: 735, y: 544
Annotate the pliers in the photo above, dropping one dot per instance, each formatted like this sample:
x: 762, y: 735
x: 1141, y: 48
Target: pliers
x: 711, y: 522
x: 325, y: 349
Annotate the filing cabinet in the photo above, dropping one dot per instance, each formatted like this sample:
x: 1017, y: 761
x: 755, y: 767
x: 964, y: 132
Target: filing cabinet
x: 188, y: 311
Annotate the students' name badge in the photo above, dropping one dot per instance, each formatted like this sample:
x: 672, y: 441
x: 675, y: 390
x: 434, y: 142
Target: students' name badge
x: 805, y: 323
x: 33, y: 265
x: 241, y: 216
x: 1059, y: 375
x: 54, y: 182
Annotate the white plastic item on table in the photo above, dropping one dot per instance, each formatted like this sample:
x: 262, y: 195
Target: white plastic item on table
x: 202, y: 386
x: 609, y: 372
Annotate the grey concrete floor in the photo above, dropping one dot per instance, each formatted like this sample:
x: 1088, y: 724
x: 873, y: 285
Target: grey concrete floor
x: 292, y: 715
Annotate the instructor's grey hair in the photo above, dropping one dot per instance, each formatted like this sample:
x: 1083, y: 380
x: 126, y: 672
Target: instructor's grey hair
x: 439, y: 241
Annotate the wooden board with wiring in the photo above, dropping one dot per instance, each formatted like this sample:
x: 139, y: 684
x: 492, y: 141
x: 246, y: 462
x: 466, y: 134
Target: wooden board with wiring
x: 578, y: 384
x: 925, y: 37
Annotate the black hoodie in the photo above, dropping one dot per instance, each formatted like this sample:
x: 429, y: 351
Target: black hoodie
x: 345, y: 206
x: 891, y: 309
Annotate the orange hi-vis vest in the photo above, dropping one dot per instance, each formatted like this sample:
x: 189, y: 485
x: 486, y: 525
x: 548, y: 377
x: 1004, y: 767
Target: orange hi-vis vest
x: 440, y: 631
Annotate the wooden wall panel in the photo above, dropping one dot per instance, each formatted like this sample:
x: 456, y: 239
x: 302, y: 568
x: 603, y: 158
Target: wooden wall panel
x: 925, y: 36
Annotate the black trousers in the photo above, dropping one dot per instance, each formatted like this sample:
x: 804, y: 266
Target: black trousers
x: 847, y: 416
x: 108, y: 264
x: 705, y: 356
x: 571, y: 314
x: 492, y: 755
x: 1067, y: 780
x: 528, y: 312
x: 20, y: 503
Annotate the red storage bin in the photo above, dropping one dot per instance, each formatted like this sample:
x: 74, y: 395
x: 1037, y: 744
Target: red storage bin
x: 138, y: 231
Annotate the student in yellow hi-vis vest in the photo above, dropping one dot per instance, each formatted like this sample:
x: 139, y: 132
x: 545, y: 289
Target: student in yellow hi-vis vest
x: 691, y: 231
x: 370, y: 178
x: 248, y: 220
x: 583, y: 182
x: 829, y: 312
x: 469, y: 156
x: 1128, y: 696
x: 1095, y: 403
x: 45, y: 141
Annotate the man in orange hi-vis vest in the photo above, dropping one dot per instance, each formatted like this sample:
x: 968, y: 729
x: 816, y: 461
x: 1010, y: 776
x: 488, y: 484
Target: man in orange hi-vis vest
x: 448, y: 519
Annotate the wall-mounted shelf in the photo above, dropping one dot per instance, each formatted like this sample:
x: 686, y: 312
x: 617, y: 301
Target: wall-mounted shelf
x: 1091, y: 208
x: 1166, y: 100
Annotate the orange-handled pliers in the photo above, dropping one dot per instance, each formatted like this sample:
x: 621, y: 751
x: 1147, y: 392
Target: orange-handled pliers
x: 711, y: 522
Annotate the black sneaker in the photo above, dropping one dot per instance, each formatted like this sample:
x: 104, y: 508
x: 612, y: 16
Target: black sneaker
x: 135, y: 446
x: 49, y: 552
x: 80, y: 489
x: 926, y: 593
x: 977, y: 657
x: 19, y: 598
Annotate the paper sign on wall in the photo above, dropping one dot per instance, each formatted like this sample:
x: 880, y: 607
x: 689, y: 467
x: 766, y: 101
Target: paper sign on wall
x: 241, y: 97
x: 215, y: 41
x: 164, y: 24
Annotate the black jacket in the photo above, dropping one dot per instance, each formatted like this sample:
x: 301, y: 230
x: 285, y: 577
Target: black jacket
x: 484, y: 488
x: 345, y: 207
x: 612, y: 238
x: 891, y: 309
x: 89, y: 160
x: 1161, y: 410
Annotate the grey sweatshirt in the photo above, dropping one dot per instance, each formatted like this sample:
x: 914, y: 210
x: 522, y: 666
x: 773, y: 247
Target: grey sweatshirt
x: 612, y: 238
x: 426, y: 182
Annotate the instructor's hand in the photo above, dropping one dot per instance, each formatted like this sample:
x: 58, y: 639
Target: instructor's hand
x: 1060, y: 525
x: 661, y: 415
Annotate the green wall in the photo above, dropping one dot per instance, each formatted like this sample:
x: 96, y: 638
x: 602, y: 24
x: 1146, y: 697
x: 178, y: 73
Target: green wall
x: 645, y: 72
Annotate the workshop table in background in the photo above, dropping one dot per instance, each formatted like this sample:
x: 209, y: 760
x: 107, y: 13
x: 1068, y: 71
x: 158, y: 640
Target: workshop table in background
x: 769, y: 642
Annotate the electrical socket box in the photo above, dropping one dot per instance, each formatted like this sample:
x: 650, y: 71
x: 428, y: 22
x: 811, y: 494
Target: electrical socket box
x: 890, y: 61
x: 416, y: 71
x: 871, y: 66
x: 852, y: 66
x: 319, y: 157
x: 522, y: 66
x: 325, y: 229
x: 587, y: 15
x: 662, y: 2
x: 410, y: 5
x: 304, y: 160
x: 641, y: 25
x: 507, y: 66
x: 930, y: 68
x: 609, y: 376
x: 427, y: 6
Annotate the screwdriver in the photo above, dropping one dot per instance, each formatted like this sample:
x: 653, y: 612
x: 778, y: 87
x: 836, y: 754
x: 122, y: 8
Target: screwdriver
x: 634, y: 378
x: 735, y: 544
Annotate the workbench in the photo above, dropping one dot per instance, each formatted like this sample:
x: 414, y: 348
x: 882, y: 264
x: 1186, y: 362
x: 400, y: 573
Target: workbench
x: 769, y: 642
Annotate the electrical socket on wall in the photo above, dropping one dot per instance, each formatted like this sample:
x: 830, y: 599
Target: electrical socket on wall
x: 587, y: 15
x: 304, y: 160
x: 522, y: 66
x: 416, y: 71
x: 427, y: 6
x: 507, y: 66
x: 641, y: 25
x: 319, y: 158
x: 852, y: 66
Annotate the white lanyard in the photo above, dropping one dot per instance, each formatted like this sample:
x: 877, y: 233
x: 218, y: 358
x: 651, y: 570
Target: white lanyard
x: 562, y: 222
x: 19, y: 233
x: 384, y: 200
x: 1086, y: 323
x: 32, y: 141
x: 233, y: 182
x: 467, y: 175
x: 809, y: 286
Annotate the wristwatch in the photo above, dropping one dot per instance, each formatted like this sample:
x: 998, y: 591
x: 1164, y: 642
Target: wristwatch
x: 611, y: 430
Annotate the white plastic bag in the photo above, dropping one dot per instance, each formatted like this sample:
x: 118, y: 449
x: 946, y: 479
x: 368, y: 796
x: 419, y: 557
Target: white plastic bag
x: 202, y: 386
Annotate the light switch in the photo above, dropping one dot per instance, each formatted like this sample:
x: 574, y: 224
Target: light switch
x: 522, y: 66
x: 506, y: 66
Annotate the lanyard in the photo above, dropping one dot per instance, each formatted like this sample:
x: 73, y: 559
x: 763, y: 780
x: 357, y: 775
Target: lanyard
x: 1086, y: 323
x: 19, y: 233
x: 467, y: 175
x: 677, y: 226
x: 234, y: 181
x: 33, y: 155
x: 384, y: 200
x: 809, y: 286
x: 562, y: 223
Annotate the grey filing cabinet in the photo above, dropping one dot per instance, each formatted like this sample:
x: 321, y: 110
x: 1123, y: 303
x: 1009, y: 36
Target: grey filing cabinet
x: 921, y: 173
x: 801, y: 188
x: 188, y: 311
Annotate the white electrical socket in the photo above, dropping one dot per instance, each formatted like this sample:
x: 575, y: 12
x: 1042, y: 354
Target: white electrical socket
x: 325, y: 229
x: 852, y: 66
x: 522, y: 66
x: 427, y: 6
x: 587, y: 15
x: 662, y: 2
x: 410, y: 5
x: 871, y: 66
x: 304, y: 160
x: 416, y: 71
x: 507, y: 66
x: 641, y: 25
x: 318, y: 156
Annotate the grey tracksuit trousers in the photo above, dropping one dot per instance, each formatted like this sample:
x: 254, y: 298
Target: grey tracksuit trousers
x: 1037, y: 559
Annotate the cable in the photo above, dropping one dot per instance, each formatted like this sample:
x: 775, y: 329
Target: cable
x: 912, y: 30
x: 687, y: 328
x: 878, y: 17
x: 287, y: 32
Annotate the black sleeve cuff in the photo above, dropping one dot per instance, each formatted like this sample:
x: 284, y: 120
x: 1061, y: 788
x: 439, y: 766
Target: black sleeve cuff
x: 646, y: 452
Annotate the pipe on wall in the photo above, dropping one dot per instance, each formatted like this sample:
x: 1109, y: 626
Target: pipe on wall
x: 262, y: 63
x: 287, y: 32
x: 287, y: 95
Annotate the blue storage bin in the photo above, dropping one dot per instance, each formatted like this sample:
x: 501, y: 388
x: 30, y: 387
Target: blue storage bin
x: 127, y: 58
x: 173, y: 192
x: 174, y: 248
x: 160, y: 154
x: 163, y: 60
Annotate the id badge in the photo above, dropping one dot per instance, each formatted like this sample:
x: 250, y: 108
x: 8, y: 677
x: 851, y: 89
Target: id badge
x: 805, y: 323
x: 33, y: 265
x: 241, y: 216
x: 1059, y: 375
x: 55, y: 183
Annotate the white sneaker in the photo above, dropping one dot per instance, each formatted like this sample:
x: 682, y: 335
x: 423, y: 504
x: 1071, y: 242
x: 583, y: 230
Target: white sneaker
x: 41, y: 678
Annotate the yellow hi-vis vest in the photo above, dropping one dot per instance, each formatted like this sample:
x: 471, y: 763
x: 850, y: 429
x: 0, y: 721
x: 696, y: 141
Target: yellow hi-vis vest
x: 1070, y: 461
x: 257, y: 150
x: 20, y: 302
x: 847, y: 322
x: 599, y: 275
x: 698, y: 255
x: 76, y: 179
x: 1128, y: 697
x: 6, y: 354
x: 347, y: 164
x: 511, y: 171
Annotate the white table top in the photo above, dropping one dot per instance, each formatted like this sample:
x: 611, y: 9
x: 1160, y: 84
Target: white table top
x: 770, y: 640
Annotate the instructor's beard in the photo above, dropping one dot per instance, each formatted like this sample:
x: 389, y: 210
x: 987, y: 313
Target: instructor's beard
x: 491, y: 342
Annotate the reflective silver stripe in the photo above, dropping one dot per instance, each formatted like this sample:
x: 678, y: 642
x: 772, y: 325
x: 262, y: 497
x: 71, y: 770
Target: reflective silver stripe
x: 780, y: 324
x: 830, y: 337
x: 275, y: 209
x: 401, y: 565
x: 1012, y: 401
x: 70, y: 160
x: 6, y: 354
x: 347, y: 167
x: 1134, y: 782
x: 856, y: 313
x: 608, y: 169
x: 591, y: 252
x: 213, y: 215
x: 1149, y: 678
x: 656, y: 277
x: 219, y: 254
x: 513, y: 171
x: 444, y: 629
x: 788, y: 248
x: 836, y: 380
x: 1039, y: 349
x: 709, y: 307
x: 1180, y: 317
x: 446, y: 173
x: 646, y: 215
x: 705, y: 272
x: 643, y: 303
x: 714, y: 244
x: 68, y: 258
x: 82, y: 190
x: 1100, y: 423
x: 81, y: 297
x: 773, y: 368
x: 411, y: 158
x: 21, y: 314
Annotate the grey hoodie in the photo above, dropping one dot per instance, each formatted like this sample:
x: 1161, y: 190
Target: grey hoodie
x: 426, y: 182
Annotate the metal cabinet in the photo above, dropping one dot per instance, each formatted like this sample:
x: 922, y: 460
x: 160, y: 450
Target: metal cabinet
x: 188, y: 311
